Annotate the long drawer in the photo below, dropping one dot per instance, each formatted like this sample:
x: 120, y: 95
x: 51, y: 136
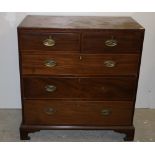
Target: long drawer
x: 80, y: 64
x: 96, y: 88
x: 52, y: 112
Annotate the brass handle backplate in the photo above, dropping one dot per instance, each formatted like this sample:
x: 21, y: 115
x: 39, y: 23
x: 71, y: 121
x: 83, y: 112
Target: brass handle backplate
x: 50, y: 63
x: 109, y: 63
x: 49, y: 42
x: 50, y: 88
x: 49, y: 111
x: 105, y: 112
x: 111, y: 42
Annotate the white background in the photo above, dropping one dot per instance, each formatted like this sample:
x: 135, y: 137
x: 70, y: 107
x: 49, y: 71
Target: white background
x: 80, y: 6
x: 9, y: 68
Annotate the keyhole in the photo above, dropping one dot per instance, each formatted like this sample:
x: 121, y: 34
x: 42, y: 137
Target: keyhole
x: 80, y: 57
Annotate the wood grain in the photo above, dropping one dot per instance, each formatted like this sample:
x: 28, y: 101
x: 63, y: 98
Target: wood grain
x: 84, y: 85
x: 33, y: 40
x: 80, y: 64
x: 79, y: 22
x: 127, y: 41
x: 97, y: 88
x: 77, y: 113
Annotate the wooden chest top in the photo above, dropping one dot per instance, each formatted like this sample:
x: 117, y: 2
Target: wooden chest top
x: 79, y: 22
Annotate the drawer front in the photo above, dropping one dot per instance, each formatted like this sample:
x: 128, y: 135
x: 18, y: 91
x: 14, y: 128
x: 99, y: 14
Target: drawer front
x: 84, y: 64
x: 112, y: 41
x: 39, y: 41
x: 80, y: 88
x: 51, y: 112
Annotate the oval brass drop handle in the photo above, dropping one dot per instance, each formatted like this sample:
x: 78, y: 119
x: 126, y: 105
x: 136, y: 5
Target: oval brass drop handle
x: 50, y: 88
x: 111, y: 42
x: 49, y: 42
x: 109, y: 63
x: 50, y: 63
x: 105, y: 112
x: 49, y: 111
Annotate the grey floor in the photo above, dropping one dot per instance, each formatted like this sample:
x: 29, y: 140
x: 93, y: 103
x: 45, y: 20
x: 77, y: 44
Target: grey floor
x: 144, y: 122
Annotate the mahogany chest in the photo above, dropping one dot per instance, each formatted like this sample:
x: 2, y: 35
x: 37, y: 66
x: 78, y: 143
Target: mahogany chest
x: 79, y: 73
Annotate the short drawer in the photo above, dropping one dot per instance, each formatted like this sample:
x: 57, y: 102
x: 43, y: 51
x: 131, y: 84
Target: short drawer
x: 112, y: 41
x: 52, y: 112
x: 46, y: 41
x: 80, y: 64
x: 96, y: 88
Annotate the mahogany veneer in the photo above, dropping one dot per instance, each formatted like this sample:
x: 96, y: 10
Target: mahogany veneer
x: 79, y: 73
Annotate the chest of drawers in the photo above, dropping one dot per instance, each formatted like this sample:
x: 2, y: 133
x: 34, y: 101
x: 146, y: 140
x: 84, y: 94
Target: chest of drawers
x: 79, y: 73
